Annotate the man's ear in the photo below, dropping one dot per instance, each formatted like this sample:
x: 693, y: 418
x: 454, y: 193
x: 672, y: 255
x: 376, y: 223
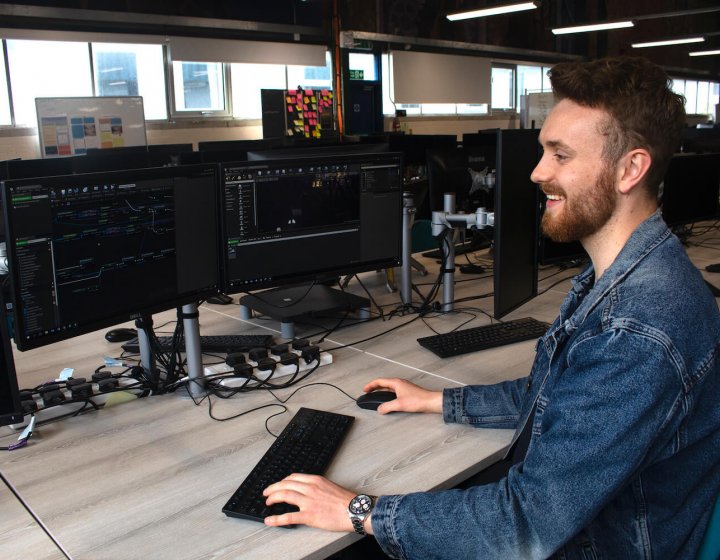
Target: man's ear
x: 632, y: 169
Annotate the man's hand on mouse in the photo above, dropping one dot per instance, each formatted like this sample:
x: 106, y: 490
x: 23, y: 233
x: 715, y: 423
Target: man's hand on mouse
x: 410, y: 397
x: 324, y: 504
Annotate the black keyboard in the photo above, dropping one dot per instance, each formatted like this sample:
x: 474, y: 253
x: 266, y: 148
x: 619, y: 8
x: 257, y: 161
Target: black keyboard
x: 225, y: 343
x: 481, y: 338
x: 306, y: 445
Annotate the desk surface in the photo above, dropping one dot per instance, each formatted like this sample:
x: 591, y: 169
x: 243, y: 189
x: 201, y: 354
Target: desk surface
x: 148, y: 478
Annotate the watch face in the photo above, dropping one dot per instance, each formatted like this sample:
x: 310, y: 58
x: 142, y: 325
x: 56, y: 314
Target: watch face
x: 360, y: 504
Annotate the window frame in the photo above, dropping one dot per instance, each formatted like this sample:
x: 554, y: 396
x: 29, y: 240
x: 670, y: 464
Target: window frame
x: 202, y: 114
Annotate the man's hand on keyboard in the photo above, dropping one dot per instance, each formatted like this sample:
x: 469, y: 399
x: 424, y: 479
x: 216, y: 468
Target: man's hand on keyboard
x: 323, y: 504
x: 410, y: 397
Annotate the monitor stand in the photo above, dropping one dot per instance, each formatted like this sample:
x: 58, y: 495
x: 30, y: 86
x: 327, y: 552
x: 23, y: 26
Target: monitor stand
x: 296, y: 302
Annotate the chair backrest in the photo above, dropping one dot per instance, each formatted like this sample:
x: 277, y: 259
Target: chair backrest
x: 710, y: 549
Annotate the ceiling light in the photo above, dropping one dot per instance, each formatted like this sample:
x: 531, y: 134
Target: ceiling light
x: 593, y: 27
x: 506, y: 9
x: 704, y: 53
x: 668, y: 42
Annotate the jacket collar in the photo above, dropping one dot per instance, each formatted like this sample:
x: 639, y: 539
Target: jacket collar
x: 648, y: 235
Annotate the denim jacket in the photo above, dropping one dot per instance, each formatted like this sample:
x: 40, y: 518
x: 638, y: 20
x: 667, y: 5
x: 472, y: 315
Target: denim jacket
x: 624, y: 453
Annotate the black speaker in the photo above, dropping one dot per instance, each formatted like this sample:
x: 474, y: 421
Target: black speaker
x: 273, y: 113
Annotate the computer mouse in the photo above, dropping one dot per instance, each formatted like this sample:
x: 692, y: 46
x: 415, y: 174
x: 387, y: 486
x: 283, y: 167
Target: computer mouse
x: 220, y: 299
x: 371, y: 401
x: 121, y: 334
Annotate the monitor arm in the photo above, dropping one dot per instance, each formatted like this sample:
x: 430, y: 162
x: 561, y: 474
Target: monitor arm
x: 446, y: 221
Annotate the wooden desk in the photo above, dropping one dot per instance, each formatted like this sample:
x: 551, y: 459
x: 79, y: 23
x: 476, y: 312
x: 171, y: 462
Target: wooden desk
x: 148, y: 478
x: 20, y: 535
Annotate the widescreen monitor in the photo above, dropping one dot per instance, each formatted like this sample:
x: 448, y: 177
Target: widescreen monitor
x: 306, y: 220
x: 89, y: 251
x: 691, y: 188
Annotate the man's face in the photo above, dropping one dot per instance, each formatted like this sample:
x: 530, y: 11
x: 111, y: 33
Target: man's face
x: 579, y: 184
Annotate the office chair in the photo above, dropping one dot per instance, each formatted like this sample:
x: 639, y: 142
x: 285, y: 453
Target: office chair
x: 710, y: 549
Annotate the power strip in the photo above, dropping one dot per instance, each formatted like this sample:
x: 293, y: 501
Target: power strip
x: 44, y: 414
x: 263, y: 375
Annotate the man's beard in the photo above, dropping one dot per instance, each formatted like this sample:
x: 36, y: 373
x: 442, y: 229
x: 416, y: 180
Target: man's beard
x: 584, y: 213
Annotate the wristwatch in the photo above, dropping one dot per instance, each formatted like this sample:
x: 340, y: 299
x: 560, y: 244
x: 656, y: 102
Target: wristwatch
x: 359, y: 508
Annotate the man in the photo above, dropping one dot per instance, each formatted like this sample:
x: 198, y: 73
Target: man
x: 620, y: 410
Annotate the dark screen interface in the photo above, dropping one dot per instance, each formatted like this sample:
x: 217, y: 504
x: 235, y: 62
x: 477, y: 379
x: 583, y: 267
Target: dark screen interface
x: 87, y: 252
x: 293, y: 221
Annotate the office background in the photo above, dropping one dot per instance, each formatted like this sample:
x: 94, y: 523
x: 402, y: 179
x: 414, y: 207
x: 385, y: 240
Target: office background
x: 137, y: 477
x: 200, y: 66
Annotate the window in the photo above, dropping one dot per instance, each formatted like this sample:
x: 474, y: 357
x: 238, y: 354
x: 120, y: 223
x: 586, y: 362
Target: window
x: 132, y: 70
x: 5, y: 117
x: 420, y: 109
x: 314, y: 77
x: 248, y: 79
x: 199, y: 87
x: 246, y: 82
x: 503, y: 87
x: 700, y: 97
x: 531, y: 79
x: 46, y: 69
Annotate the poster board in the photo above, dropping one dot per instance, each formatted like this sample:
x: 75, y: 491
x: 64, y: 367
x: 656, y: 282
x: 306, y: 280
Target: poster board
x: 534, y: 108
x: 69, y: 126
x: 309, y: 112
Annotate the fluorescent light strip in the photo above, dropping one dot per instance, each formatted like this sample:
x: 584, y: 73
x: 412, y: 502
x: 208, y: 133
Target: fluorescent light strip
x: 704, y: 53
x: 506, y: 9
x: 592, y: 27
x: 668, y: 42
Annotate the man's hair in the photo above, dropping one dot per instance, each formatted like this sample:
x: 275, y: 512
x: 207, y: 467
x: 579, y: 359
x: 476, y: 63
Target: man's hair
x: 644, y: 111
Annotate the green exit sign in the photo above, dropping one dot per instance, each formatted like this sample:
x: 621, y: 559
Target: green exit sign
x: 357, y: 74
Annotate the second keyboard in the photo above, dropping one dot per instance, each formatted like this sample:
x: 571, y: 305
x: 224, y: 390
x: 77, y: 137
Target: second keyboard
x: 225, y: 343
x: 484, y: 337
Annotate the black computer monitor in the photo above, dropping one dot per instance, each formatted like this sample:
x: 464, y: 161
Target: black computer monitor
x: 89, y: 251
x: 110, y: 159
x: 460, y: 170
x: 700, y: 140
x: 241, y: 145
x: 555, y: 253
x: 320, y: 151
x: 24, y: 168
x: 306, y: 220
x: 10, y: 409
x: 160, y: 155
x: 516, y: 206
x: 691, y: 188
x: 414, y: 147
